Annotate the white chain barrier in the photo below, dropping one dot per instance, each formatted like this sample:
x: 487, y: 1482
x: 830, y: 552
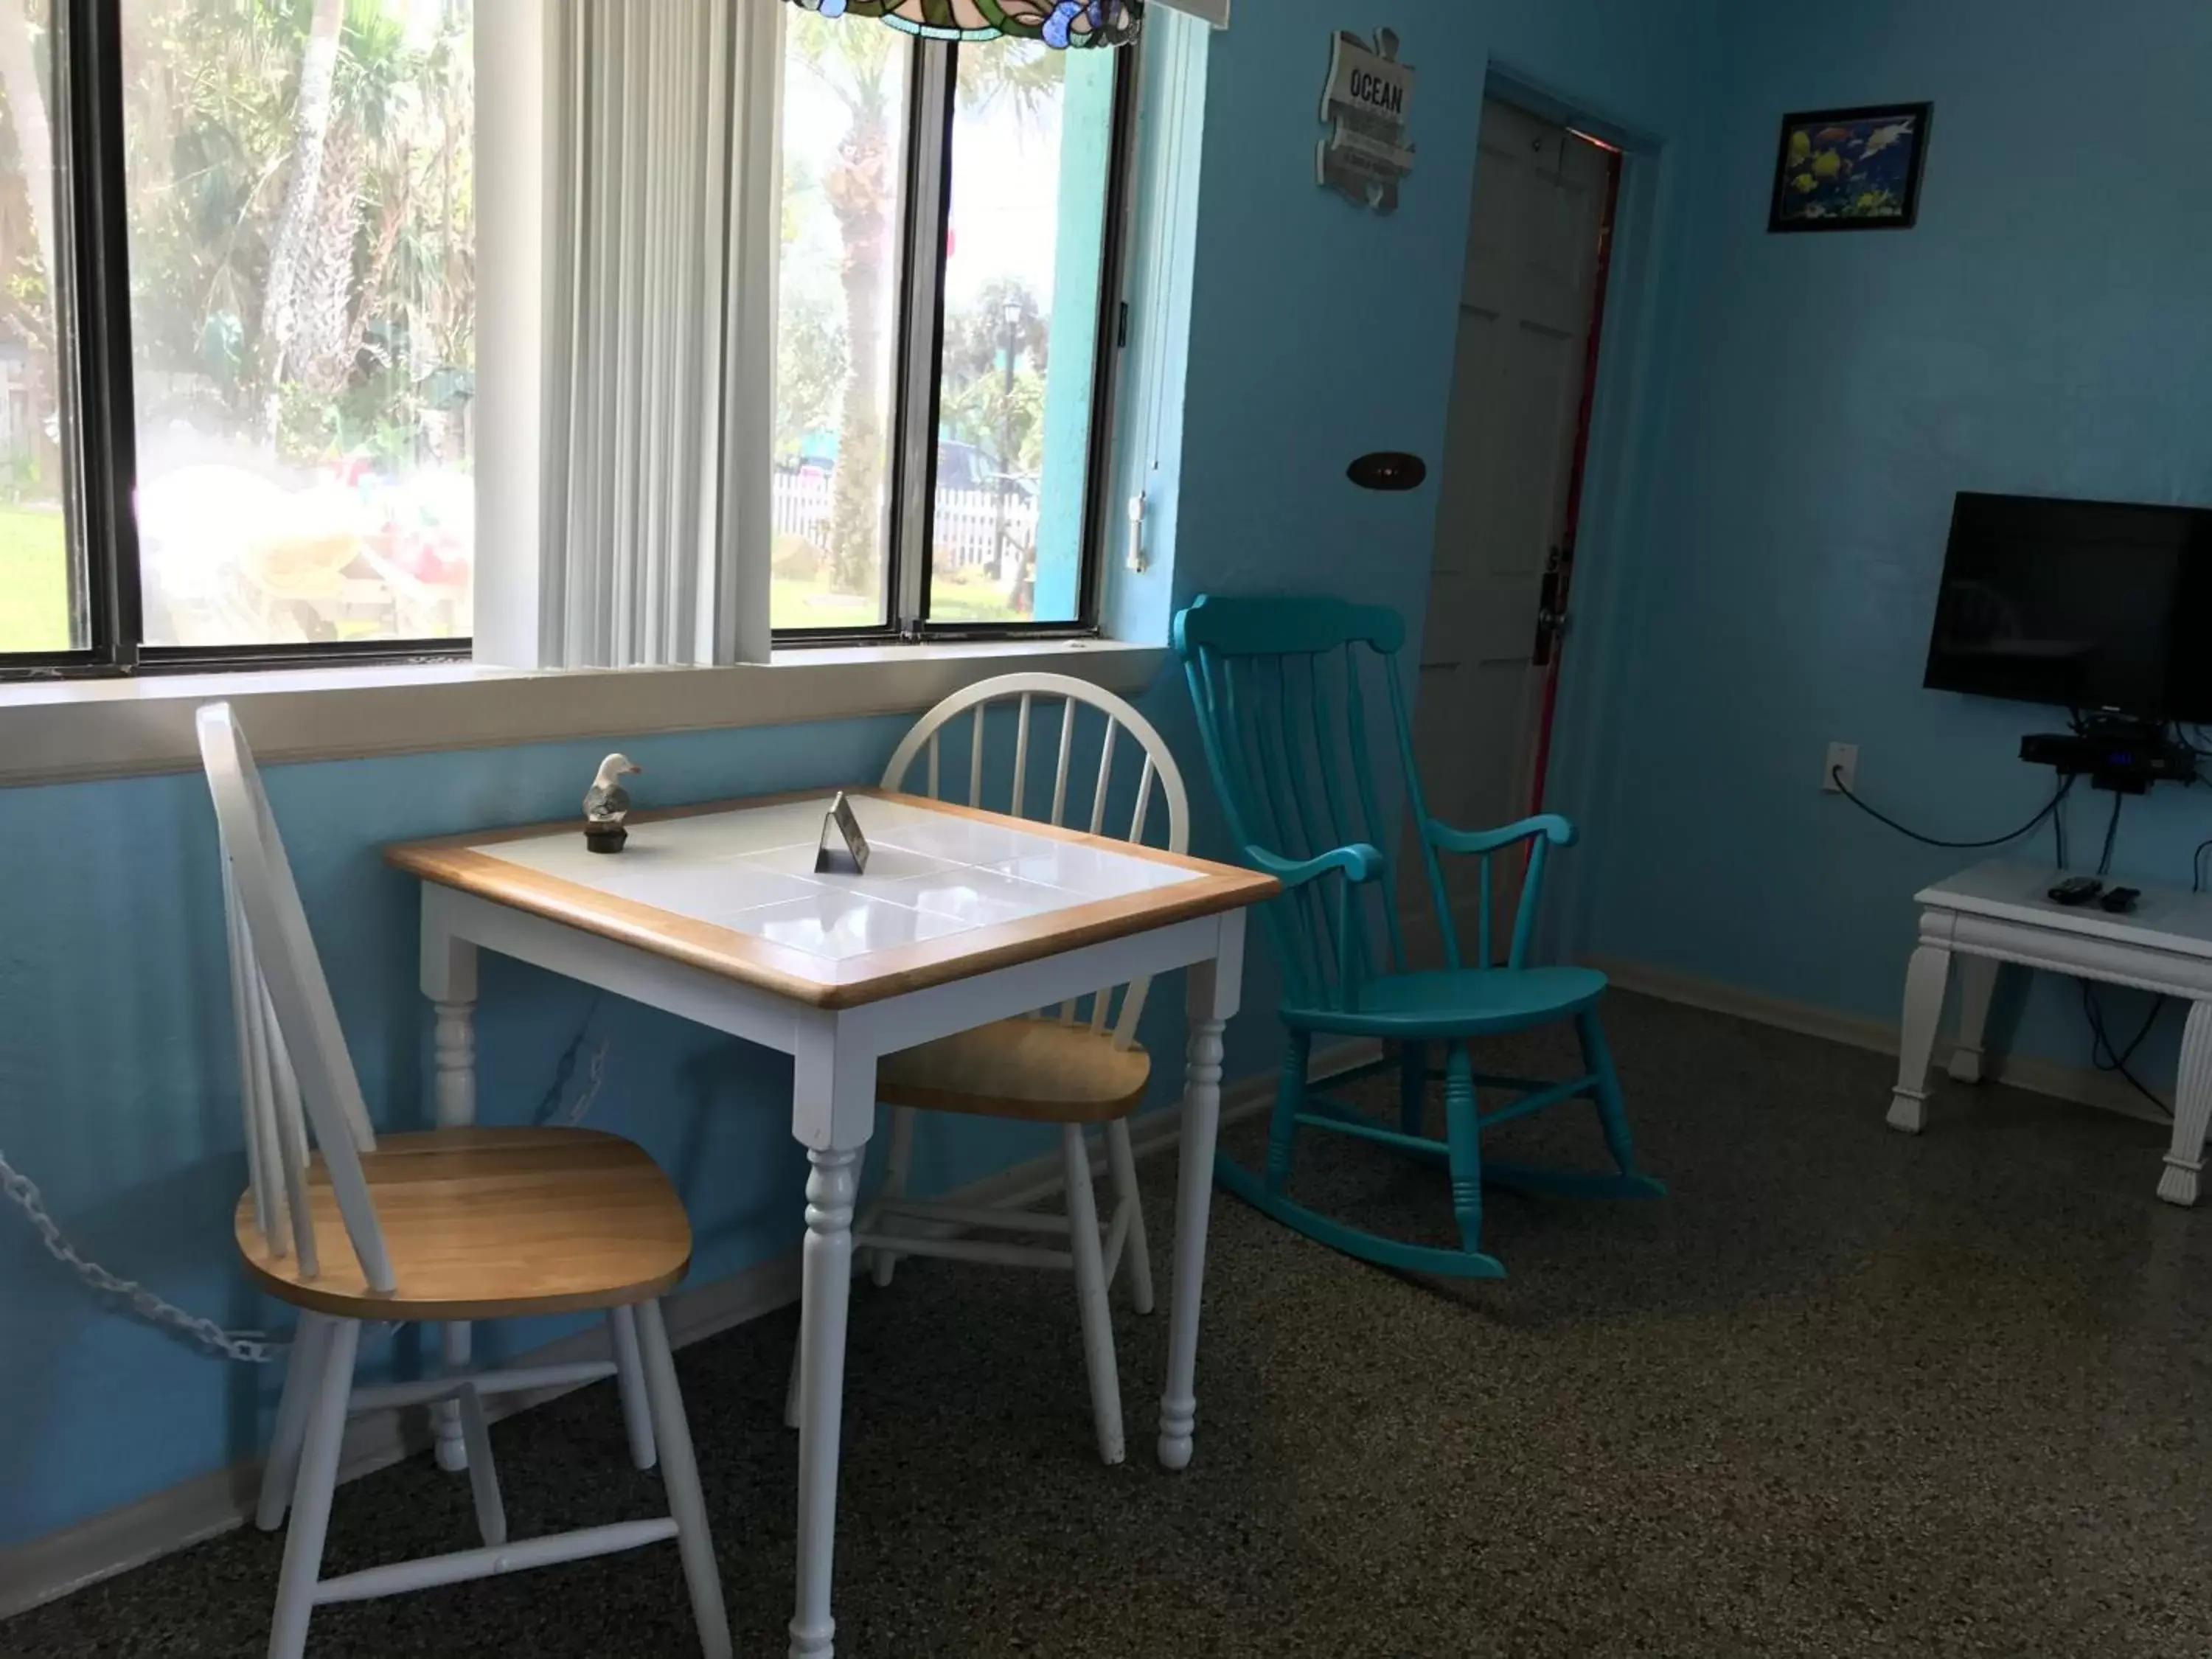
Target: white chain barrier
x: 248, y: 1347
x: 251, y: 1347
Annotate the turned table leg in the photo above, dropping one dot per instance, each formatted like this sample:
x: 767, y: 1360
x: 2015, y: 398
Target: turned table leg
x: 1213, y: 992
x: 832, y: 1113
x: 449, y: 980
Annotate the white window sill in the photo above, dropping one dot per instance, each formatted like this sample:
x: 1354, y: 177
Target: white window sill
x: 56, y: 730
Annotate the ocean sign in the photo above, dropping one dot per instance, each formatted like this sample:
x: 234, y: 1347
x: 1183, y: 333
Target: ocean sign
x: 1365, y: 106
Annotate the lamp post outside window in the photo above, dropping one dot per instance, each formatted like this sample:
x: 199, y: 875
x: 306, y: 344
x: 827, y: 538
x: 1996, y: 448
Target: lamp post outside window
x: 1011, y: 312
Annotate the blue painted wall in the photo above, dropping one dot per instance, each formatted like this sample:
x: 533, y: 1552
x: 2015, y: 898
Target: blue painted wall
x: 1320, y: 331
x: 2045, y: 329
x: 118, y: 1075
x: 1086, y: 119
x: 1316, y: 333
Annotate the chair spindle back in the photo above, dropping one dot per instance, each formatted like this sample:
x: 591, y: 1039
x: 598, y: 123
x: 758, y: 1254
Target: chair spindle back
x: 1289, y: 693
x: 1027, y: 697
x: 294, y: 1072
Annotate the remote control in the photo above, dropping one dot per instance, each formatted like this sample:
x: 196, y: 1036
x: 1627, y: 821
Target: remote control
x: 2121, y: 899
x: 2077, y: 891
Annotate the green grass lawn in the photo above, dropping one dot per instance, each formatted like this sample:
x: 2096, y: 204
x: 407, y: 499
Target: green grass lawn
x: 34, y: 588
x: 797, y: 602
x: 794, y: 604
x: 34, y: 596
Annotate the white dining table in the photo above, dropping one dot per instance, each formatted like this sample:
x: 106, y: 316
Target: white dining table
x: 714, y: 913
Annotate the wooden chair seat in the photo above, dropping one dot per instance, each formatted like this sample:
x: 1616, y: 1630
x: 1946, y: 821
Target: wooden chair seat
x: 1038, y: 1069
x: 490, y: 1222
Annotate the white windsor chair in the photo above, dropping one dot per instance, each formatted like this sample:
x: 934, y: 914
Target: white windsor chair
x: 1075, y: 1065
x: 466, y: 1224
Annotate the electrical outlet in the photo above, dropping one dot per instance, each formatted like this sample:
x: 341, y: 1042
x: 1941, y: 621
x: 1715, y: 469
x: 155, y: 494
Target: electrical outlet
x: 1843, y: 758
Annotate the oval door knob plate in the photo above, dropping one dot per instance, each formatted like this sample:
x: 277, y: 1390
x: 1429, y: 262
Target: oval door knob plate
x: 1388, y: 469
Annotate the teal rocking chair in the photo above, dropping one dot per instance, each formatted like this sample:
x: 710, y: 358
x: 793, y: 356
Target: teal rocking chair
x: 1282, y: 688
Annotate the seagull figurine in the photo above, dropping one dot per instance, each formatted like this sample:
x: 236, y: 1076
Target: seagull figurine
x: 606, y: 804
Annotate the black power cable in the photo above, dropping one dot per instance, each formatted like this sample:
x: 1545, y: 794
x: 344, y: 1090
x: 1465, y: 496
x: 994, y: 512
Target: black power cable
x: 2112, y: 833
x: 1836, y: 776
x: 2109, y: 1057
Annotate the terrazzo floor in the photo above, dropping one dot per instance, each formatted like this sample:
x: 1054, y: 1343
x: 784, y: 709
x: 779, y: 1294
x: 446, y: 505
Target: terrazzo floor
x: 1843, y: 1393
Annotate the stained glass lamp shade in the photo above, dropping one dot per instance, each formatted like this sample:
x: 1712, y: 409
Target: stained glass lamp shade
x: 1063, y: 23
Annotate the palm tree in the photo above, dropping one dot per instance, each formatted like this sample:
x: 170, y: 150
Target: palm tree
x: 855, y: 63
x: 1010, y: 67
x: 295, y: 221
x: 34, y: 139
x: 21, y: 85
x: 370, y: 162
x: 859, y: 63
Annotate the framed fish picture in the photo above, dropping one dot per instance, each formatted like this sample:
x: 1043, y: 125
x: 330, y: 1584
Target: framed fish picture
x: 1851, y: 169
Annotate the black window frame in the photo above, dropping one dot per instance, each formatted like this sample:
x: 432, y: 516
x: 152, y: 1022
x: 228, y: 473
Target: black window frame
x: 99, y: 404
x: 906, y: 602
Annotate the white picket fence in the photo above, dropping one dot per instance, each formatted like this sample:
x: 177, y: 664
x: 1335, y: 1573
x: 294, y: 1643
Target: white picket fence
x: 966, y: 528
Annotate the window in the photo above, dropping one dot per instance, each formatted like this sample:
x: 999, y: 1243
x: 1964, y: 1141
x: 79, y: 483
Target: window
x: 41, y: 573
x: 237, y: 259
x: 946, y: 324
x: 236, y: 330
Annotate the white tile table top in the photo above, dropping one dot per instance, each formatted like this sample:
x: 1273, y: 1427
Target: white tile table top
x: 739, y: 880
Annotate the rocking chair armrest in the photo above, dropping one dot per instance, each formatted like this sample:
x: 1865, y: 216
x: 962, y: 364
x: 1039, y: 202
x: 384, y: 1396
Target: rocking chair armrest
x: 1358, y: 861
x: 1551, y: 826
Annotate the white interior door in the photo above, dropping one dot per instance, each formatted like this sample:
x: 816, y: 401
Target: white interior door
x: 1528, y: 303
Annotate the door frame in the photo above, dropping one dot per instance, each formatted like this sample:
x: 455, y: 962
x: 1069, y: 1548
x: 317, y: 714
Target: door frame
x: 1547, y: 273
x: 1619, y: 482
x: 1559, y: 580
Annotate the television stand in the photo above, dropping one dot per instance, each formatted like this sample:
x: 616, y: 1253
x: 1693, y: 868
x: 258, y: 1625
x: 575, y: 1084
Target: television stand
x: 2115, y: 753
x: 1998, y: 912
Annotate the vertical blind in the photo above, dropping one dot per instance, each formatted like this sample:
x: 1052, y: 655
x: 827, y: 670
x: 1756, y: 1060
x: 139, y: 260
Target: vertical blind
x: 661, y: 237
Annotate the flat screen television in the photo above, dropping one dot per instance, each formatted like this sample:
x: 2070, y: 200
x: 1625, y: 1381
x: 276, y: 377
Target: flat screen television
x: 2095, y: 606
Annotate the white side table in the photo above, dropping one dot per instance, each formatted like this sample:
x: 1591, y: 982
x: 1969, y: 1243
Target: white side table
x: 1999, y: 911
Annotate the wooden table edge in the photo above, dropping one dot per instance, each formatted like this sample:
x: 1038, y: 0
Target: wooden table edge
x: 411, y: 854
x: 452, y: 862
